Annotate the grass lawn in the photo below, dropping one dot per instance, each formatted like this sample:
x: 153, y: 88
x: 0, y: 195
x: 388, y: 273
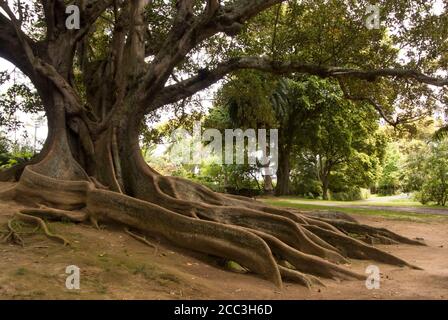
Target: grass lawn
x: 309, y: 204
x: 372, y: 201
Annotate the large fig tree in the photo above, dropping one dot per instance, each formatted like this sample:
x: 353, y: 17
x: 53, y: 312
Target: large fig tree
x: 129, y: 58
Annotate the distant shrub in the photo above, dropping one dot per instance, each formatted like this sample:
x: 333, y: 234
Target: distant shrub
x: 388, y: 190
x: 434, y: 187
x: 11, y: 155
x: 434, y: 190
x: 307, y: 188
x: 8, y: 160
x: 352, y: 194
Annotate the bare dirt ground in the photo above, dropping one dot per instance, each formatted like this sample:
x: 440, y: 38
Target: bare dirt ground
x: 115, y: 266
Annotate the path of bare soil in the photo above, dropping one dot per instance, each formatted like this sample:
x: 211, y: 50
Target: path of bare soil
x: 116, y: 266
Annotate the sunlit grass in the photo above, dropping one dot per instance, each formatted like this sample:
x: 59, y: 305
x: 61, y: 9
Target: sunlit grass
x: 317, y: 205
x: 373, y: 201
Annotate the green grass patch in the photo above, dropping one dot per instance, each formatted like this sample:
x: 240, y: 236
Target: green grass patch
x: 152, y: 273
x: 390, y: 214
x: 21, y: 272
x: 372, y: 201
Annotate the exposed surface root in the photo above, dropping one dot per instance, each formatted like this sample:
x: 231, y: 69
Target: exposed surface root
x: 356, y: 249
x: 284, y: 229
x: 298, y: 277
x: 41, y: 223
x: 377, y: 235
x: 205, y: 236
x: 8, y: 194
x: 56, y: 214
x: 305, y: 263
x: 140, y: 238
x: 330, y: 215
x: 12, y: 235
x: 274, y: 243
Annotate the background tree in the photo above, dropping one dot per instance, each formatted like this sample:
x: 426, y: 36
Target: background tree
x: 254, y: 100
x: 239, y: 178
x: 434, y: 186
x: 296, y: 104
x: 390, y: 181
x: 345, y: 140
x: 244, y: 102
x: 4, y: 152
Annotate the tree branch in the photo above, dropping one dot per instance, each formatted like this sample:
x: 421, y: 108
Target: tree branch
x: 181, y: 40
x: 203, y: 80
x: 93, y: 11
x: 16, y: 46
x: 54, y: 12
x: 37, y: 64
x: 370, y: 101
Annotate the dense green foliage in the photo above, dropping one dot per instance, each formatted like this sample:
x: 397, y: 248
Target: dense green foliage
x: 325, y: 141
x: 434, y: 184
x: 12, y: 154
x: 415, y: 163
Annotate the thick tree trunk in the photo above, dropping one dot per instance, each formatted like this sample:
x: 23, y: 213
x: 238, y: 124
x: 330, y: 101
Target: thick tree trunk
x: 268, y: 186
x: 283, y: 173
x: 325, y: 184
